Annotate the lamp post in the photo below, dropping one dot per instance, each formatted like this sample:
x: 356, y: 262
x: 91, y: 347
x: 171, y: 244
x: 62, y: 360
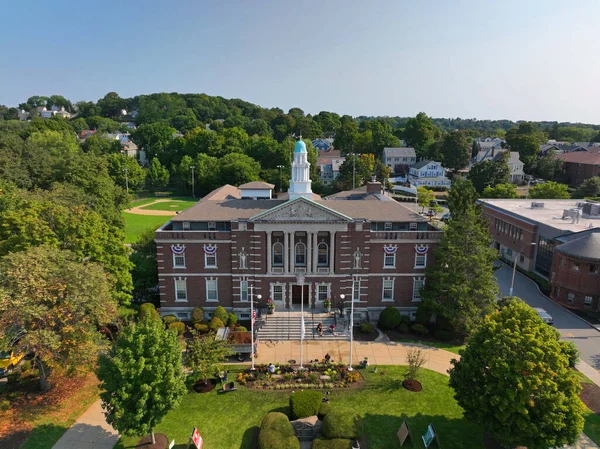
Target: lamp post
x: 252, y: 323
x: 192, y: 167
x: 342, y: 297
x: 126, y: 179
x: 300, y: 280
x: 354, y: 156
x: 280, y: 167
x: 512, y: 282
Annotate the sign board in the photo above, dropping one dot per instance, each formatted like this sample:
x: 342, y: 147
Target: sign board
x: 404, y: 433
x: 172, y: 444
x: 429, y: 436
x: 196, y: 438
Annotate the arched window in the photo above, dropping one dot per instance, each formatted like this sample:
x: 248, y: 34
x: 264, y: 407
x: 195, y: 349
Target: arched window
x: 323, y: 254
x: 278, y: 254
x: 300, y: 254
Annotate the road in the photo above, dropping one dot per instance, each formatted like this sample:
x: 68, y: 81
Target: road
x: 570, y: 326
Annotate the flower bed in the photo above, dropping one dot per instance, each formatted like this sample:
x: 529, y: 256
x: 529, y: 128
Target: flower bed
x: 289, y: 377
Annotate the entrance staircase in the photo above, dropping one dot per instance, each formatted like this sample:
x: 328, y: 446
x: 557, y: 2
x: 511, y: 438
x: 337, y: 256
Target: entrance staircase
x: 287, y: 326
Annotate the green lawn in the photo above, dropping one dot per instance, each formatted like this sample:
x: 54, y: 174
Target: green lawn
x: 592, y: 425
x: 170, y: 205
x: 137, y: 224
x: 227, y: 421
x: 450, y: 347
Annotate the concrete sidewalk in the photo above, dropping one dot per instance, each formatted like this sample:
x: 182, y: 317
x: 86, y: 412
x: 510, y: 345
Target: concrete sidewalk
x: 90, y: 431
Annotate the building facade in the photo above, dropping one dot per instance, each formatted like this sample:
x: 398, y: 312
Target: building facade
x: 399, y: 160
x: 428, y: 174
x: 298, y: 247
x: 580, y: 166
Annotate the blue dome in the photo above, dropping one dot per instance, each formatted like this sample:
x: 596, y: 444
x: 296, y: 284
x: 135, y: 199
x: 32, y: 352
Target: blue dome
x: 300, y: 147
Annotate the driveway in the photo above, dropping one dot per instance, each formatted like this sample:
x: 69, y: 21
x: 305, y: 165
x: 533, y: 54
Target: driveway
x: 569, y: 325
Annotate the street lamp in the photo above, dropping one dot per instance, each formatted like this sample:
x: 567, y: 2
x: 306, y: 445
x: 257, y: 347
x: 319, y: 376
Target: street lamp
x: 252, y: 317
x: 342, y: 296
x: 280, y: 167
x: 354, y: 156
x: 192, y: 167
x: 300, y: 280
x: 512, y: 282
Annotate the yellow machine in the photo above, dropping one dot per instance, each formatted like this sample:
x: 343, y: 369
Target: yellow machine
x: 8, y: 360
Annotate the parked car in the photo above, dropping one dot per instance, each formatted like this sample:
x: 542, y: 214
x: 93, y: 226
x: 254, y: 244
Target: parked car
x: 545, y: 316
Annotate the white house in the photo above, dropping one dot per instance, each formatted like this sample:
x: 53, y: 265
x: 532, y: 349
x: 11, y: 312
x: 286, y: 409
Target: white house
x: 329, y: 166
x: 395, y: 158
x: 45, y: 113
x: 428, y: 173
x: 516, y: 167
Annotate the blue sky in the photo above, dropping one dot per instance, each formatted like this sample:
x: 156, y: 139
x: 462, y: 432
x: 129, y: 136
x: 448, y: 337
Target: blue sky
x: 515, y: 59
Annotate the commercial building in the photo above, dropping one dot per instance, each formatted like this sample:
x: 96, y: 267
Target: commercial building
x: 580, y: 165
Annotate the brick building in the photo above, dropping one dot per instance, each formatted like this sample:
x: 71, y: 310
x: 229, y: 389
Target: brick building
x: 580, y: 165
x: 361, y: 243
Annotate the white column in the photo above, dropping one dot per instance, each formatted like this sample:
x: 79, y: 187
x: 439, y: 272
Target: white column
x: 286, y: 252
x: 292, y: 252
x: 269, y: 251
x: 309, y: 249
x: 331, y: 252
x: 315, y: 253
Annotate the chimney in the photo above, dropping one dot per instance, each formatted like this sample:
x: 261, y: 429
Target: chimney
x: 373, y: 187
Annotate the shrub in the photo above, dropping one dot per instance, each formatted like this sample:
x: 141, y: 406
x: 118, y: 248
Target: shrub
x: 201, y: 327
x: 443, y: 323
x: 423, y: 315
x: 342, y: 424
x: 198, y: 315
x: 415, y: 360
x: 270, y: 439
x: 128, y: 313
x: 168, y: 319
x: 305, y: 403
x: 419, y: 329
x: 4, y: 405
x: 215, y: 324
x: 405, y: 319
x: 241, y: 329
x: 277, y: 422
x: 232, y: 319
x: 367, y: 328
x: 336, y: 443
x: 444, y: 335
x: 221, y: 314
x: 403, y: 328
x: 148, y: 309
x: 178, y: 326
x: 324, y: 410
x: 572, y: 352
x: 389, y: 318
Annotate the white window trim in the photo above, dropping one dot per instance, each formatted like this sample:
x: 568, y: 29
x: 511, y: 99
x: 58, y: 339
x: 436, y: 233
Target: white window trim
x: 206, y: 256
x: 424, y: 261
x: 356, y: 291
x: 278, y: 284
x: 216, y: 281
x: 587, y: 300
x: 175, y: 281
x: 273, y: 263
x: 383, y: 289
x: 570, y: 297
x: 242, y: 284
x: 296, y: 254
x: 413, y: 289
x: 389, y: 266
x: 326, y: 263
x: 175, y: 258
x: 322, y: 284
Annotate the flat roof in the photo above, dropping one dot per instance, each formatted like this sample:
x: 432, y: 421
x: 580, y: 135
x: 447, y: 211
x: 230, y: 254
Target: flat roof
x: 549, y: 215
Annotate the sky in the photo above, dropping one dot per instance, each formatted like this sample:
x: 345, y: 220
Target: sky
x: 485, y: 59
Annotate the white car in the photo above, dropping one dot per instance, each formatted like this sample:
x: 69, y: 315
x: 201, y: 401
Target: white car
x: 545, y: 316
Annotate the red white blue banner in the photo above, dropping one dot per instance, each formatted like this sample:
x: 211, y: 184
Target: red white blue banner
x: 421, y: 250
x: 178, y: 249
x: 210, y: 249
x: 390, y: 249
x: 253, y: 316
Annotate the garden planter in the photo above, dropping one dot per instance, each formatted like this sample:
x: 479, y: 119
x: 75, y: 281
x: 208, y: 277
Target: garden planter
x: 412, y: 385
x: 204, y: 387
x: 271, y: 311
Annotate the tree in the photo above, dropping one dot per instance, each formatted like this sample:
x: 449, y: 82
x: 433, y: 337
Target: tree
x: 548, y: 166
x: 353, y: 166
x: 157, y: 174
x: 500, y: 191
x: 346, y: 134
x: 424, y: 197
x: 489, y: 173
x: 79, y: 124
x: 153, y: 138
x: 237, y: 169
x: 141, y: 377
x: 460, y: 285
x: 455, y: 151
x: 420, y: 132
x: 59, y: 302
x: 513, y: 379
x: 134, y: 177
x: 526, y: 140
x: 111, y: 105
x: 588, y: 188
x: 100, y: 145
x: 205, y: 356
x: 145, y: 268
x: 475, y: 148
x: 549, y: 190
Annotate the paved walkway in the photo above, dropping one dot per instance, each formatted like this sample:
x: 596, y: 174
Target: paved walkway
x: 90, y: 431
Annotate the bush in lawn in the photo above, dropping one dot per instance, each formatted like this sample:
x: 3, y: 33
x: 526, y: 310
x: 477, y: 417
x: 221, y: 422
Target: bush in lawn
x: 324, y: 409
x: 419, y: 329
x: 423, y: 315
x: 221, y: 314
x: 403, y: 328
x: 389, y: 318
x: 277, y: 422
x: 444, y: 335
x: 341, y: 423
x: 198, y: 315
x: 177, y: 326
x: 367, y: 328
x: 147, y: 309
x: 241, y: 329
x: 232, y: 319
x: 305, y: 403
x: 168, y: 319
x: 128, y: 313
x: 335, y: 443
x: 215, y: 324
x: 276, y: 432
x: 405, y: 319
x: 573, y: 353
x: 201, y: 328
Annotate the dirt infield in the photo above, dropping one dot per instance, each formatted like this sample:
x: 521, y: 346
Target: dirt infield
x: 139, y: 211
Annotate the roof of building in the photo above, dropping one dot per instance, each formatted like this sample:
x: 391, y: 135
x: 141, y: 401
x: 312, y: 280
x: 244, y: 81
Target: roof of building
x: 256, y: 185
x: 551, y: 214
x: 286, y: 196
x: 300, y: 146
x: 421, y: 164
x: 586, y: 246
x: 399, y: 152
x: 580, y: 158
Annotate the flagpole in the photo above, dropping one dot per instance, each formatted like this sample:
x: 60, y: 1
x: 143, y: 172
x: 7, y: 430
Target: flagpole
x: 300, y: 280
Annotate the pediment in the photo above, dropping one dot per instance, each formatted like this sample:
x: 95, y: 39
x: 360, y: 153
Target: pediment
x: 301, y: 210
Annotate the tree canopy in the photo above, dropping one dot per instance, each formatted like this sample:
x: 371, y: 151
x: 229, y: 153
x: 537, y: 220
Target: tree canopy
x: 549, y: 190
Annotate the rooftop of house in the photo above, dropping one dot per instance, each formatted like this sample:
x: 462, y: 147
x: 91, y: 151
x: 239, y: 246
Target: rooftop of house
x: 580, y: 157
x: 424, y: 163
x: 256, y: 185
x: 550, y: 214
x: 399, y: 152
x: 585, y: 245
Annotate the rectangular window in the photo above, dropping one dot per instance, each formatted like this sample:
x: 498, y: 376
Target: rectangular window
x: 186, y: 225
x: 412, y: 227
x: 212, y: 293
x: 356, y: 290
x: 387, y: 226
x: 388, y: 290
x: 420, y: 260
x: 417, y: 286
x: 562, y: 262
x: 509, y: 252
x: 570, y: 297
x: 587, y: 300
x: 212, y: 226
x: 389, y: 260
x: 210, y: 261
x: 522, y: 258
x: 594, y: 269
x: 278, y: 293
x: 575, y: 266
x: 180, y: 290
x: 322, y: 292
x: 179, y: 260
x: 243, y: 290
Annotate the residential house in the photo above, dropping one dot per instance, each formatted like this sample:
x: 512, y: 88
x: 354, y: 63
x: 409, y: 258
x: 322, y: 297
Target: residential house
x: 580, y: 166
x: 399, y: 160
x: 45, y: 113
x: 128, y: 148
x: 515, y: 165
x: 23, y: 115
x: 86, y: 133
x: 429, y: 174
x: 329, y: 163
x: 323, y: 144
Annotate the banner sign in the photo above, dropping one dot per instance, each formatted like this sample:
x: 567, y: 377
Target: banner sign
x: 429, y: 436
x: 210, y: 249
x: 421, y: 250
x: 196, y: 438
x: 172, y: 445
x: 404, y: 433
x: 389, y: 249
x: 178, y: 249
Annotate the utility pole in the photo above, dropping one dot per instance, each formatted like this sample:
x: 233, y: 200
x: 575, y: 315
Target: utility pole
x: 192, y: 167
x: 126, y: 179
x: 280, y: 167
x: 354, y: 156
x: 300, y: 280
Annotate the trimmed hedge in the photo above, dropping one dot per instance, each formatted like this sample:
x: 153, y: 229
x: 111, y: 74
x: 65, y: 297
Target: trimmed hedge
x: 305, y: 403
x: 221, y: 314
x: 241, y: 329
x: 168, y: 319
x: 271, y: 439
x: 128, y: 313
x: 324, y: 409
x: 419, y: 329
x: 198, y: 315
x: 215, y: 324
x: 278, y: 422
x: 178, y: 326
x: 403, y: 328
x: 405, y: 319
x: 148, y: 310
x: 232, y: 319
x: 389, y: 318
x: 201, y: 327
x: 423, y: 315
x: 367, y: 328
x: 342, y: 424
x: 335, y: 443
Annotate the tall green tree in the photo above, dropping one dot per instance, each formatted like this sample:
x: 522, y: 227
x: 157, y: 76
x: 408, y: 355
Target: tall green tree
x: 549, y: 190
x: 500, y: 191
x: 141, y: 377
x: 354, y: 167
x: 548, y: 166
x: 514, y: 380
x: 475, y: 148
x: 111, y: 105
x: 59, y: 302
x: 126, y: 171
x: 461, y: 197
x: 158, y: 175
x: 525, y: 139
x: 424, y: 197
x: 238, y: 169
x: 455, y: 151
x: 490, y: 173
x: 153, y: 138
x: 205, y: 356
x: 144, y: 271
x: 420, y: 132
x: 588, y: 188
x: 346, y: 134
